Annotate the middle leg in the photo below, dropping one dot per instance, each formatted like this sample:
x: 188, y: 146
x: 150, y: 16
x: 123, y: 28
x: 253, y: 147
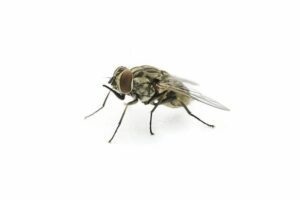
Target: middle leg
x: 168, y: 99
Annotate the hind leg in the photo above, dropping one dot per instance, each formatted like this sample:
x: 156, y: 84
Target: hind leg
x: 190, y: 113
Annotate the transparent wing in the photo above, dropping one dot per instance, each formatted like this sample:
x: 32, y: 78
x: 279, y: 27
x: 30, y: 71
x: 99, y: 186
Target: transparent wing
x: 185, y: 80
x: 193, y: 94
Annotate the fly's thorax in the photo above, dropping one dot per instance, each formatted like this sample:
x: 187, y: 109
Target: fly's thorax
x: 145, y: 78
x: 143, y: 88
x: 122, y: 80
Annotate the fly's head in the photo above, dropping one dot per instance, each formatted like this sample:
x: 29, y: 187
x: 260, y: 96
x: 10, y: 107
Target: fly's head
x: 122, y: 80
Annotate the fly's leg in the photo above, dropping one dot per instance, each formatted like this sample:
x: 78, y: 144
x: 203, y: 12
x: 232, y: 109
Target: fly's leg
x: 168, y: 99
x: 120, y: 96
x: 118, y: 124
x: 190, y: 113
x: 128, y: 104
x: 151, y: 132
x: 99, y: 108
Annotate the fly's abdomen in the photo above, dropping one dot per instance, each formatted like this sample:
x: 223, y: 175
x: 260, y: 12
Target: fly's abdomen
x: 178, y: 100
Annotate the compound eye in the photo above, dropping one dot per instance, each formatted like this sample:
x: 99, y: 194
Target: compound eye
x: 126, y: 81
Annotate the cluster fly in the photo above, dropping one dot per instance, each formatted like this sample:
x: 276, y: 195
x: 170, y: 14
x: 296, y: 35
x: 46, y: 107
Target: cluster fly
x: 155, y: 87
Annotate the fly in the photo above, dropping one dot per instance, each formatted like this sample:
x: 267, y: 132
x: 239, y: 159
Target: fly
x: 155, y: 87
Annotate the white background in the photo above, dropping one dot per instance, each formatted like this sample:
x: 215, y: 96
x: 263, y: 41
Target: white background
x: 54, y: 56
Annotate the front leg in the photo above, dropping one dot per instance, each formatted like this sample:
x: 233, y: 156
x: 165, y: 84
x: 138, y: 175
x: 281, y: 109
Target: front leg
x: 123, y: 114
x: 100, y: 107
x: 120, y: 96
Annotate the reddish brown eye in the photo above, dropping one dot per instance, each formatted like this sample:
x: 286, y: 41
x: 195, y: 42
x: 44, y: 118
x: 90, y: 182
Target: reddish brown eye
x: 126, y: 81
